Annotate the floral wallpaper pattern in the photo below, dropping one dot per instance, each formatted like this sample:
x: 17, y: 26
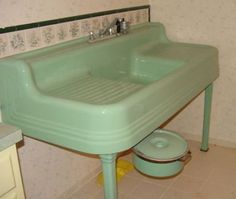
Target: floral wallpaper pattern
x: 62, y: 32
x: 85, y: 27
x: 105, y: 22
x: 33, y: 38
x: 96, y: 24
x: 131, y: 18
x: 29, y: 39
x: 17, y: 41
x: 48, y: 35
x: 3, y: 45
x: 74, y: 29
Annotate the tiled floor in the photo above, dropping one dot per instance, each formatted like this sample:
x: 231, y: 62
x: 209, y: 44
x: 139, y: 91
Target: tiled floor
x: 210, y: 175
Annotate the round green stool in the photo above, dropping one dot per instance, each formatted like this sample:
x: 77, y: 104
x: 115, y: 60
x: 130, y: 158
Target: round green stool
x: 160, y: 154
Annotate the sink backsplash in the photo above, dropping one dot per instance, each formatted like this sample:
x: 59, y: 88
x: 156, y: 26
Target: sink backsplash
x: 37, y: 35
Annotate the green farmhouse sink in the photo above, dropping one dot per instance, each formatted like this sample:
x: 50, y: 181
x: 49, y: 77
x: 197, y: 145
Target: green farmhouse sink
x: 104, y: 97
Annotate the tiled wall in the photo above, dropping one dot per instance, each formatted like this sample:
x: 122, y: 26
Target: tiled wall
x: 209, y: 22
x: 49, y: 171
x: 30, y: 39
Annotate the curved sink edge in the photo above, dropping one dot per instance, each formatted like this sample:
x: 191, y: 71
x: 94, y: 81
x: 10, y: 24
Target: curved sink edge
x: 124, y: 136
x: 97, y: 149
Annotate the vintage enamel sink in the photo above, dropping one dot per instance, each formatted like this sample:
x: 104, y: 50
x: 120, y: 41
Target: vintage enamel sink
x: 103, y: 97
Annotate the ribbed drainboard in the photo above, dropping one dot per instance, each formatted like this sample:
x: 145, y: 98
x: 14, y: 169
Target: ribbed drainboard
x: 94, y: 90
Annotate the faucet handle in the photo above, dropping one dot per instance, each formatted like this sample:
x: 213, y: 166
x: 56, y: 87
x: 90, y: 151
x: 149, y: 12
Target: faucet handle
x: 112, y: 30
x: 91, y: 35
x: 124, y: 26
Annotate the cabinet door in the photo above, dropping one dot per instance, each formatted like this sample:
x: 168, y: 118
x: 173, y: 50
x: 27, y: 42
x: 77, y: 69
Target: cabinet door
x: 10, y: 177
x: 10, y: 195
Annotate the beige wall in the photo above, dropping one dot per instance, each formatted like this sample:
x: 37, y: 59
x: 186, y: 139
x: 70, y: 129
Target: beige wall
x: 15, y: 12
x: 209, y: 22
x: 49, y: 171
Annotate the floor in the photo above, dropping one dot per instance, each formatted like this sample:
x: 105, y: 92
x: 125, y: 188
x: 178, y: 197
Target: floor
x: 210, y: 175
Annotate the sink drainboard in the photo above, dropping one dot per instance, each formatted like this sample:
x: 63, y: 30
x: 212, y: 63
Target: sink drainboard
x: 94, y: 90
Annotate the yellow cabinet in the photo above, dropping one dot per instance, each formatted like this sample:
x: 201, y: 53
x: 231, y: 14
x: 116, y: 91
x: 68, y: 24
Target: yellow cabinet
x: 10, y: 177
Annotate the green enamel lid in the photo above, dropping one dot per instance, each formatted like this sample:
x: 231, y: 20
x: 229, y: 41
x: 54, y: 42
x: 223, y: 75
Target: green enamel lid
x: 162, y: 146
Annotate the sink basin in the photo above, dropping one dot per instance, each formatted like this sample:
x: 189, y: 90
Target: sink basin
x: 103, y: 97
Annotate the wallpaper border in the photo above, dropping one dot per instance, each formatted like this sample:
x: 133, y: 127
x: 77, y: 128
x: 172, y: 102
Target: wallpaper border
x: 70, y: 19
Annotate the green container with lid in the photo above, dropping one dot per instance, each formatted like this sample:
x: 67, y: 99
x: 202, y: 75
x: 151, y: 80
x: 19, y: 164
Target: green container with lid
x: 160, y: 154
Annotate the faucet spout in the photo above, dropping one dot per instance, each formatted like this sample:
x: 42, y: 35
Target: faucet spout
x: 111, y: 28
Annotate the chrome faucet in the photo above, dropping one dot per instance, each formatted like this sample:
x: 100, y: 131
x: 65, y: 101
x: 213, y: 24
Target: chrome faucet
x: 112, y: 28
x: 116, y: 28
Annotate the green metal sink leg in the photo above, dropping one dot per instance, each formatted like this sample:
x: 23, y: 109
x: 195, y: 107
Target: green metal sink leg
x: 207, y: 116
x: 109, y: 175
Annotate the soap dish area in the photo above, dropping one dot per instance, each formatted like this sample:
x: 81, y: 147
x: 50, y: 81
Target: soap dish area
x: 162, y: 154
